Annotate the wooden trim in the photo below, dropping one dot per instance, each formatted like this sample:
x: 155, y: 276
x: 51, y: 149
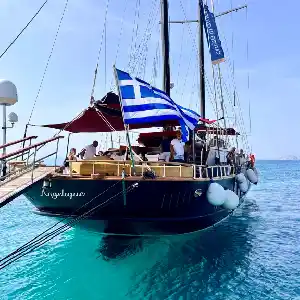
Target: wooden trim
x: 136, y: 178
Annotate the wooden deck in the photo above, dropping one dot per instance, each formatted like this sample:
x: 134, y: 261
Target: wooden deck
x: 13, y: 187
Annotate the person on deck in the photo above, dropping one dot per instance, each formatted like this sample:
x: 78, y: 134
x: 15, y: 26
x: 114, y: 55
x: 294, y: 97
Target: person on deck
x: 241, y: 158
x: 231, y: 156
x: 165, y: 150
x: 70, y: 157
x: 177, y: 148
x: 89, y: 151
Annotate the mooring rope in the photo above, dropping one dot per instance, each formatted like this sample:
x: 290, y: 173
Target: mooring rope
x: 35, y: 242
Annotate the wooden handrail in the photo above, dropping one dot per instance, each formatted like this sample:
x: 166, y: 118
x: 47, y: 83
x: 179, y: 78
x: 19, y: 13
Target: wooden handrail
x: 30, y: 147
x: 18, y: 141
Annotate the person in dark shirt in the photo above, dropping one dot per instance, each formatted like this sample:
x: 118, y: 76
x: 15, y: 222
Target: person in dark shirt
x: 164, y: 150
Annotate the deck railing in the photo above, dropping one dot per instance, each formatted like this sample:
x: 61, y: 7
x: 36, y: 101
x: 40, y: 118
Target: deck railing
x: 162, y: 170
x: 26, y: 164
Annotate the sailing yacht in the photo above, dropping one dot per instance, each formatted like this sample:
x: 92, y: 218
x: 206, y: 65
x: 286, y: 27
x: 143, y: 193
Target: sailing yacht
x: 137, y: 197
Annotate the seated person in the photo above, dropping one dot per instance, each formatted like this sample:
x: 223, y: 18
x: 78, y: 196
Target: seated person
x: 165, y: 150
x: 89, y: 151
x: 70, y: 156
x: 177, y: 148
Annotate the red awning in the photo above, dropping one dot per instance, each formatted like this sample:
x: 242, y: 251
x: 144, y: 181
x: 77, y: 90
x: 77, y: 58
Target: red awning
x: 93, y: 120
x: 90, y: 120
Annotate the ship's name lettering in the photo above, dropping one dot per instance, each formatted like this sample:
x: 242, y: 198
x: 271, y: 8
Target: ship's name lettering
x: 55, y: 195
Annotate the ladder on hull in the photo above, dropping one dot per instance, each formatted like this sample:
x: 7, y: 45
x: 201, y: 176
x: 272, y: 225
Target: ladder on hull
x: 15, y: 186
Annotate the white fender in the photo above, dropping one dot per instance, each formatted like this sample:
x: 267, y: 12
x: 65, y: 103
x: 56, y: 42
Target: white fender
x: 251, y: 176
x: 240, y: 178
x: 243, y: 187
x: 215, y: 194
x: 232, y: 200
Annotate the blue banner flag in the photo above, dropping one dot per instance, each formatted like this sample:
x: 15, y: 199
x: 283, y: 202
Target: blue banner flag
x: 212, y: 36
x: 143, y: 103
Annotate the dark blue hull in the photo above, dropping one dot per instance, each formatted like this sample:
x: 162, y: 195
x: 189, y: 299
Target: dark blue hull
x: 133, y: 207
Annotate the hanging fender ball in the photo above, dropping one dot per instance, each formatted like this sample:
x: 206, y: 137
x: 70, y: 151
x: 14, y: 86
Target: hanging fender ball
x: 215, y: 194
x: 243, y: 187
x: 240, y: 178
x: 252, y: 176
x: 232, y: 200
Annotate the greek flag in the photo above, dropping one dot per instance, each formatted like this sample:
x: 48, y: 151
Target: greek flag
x: 142, y: 103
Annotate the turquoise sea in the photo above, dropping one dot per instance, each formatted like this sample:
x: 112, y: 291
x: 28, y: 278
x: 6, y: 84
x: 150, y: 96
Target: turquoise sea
x: 255, y: 254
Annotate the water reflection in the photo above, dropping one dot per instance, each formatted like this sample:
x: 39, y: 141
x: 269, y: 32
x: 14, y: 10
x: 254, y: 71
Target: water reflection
x: 199, y: 266
x: 118, y: 247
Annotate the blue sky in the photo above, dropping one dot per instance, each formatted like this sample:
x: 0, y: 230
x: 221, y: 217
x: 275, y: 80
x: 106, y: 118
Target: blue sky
x: 273, y: 66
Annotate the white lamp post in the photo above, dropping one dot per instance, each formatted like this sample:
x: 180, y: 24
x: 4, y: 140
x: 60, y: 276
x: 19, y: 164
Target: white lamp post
x: 8, y: 97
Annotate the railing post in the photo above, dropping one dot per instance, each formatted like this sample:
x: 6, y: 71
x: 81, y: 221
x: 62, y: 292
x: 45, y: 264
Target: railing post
x: 28, y: 157
x: 33, y: 164
x: 24, y: 147
x: 70, y: 168
x: 200, y: 171
x: 164, y: 174
x: 56, y: 153
x: 180, y: 171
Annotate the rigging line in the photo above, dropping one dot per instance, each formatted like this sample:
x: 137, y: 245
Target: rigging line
x: 62, y: 229
x: 119, y: 43
x: 234, y: 85
x: 49, y: 58
x: 239, y: 124
x: 154, y: 68
x: 24, y: 28
x: 53, y: 226
x: 186, y: 76
x: 248, y: 73
x: 137, y: 53
x: 68, y: 225
x: 105, y: 120
x: 193, y: 36
x: 233, y: 78
x: 180, y: 55
x: 143, y: 64
x: 221, y: 92
x: 99, y: 51
x: 134, y: 30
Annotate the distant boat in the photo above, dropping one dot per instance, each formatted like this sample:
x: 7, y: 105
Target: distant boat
x: 289, y: 157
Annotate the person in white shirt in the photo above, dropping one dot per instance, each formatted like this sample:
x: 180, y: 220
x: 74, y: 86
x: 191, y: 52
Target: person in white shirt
x: 89, y: 151
x: 177, y: 148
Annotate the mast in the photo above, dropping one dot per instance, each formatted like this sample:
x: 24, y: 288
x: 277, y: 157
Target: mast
x: 201, y: 62
x: 165, y: 46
